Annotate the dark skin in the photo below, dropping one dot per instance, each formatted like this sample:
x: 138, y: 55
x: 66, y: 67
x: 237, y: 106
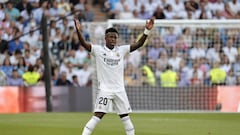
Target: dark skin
x: 111, y: 42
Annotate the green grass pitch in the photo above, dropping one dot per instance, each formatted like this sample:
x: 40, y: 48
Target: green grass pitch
x: 145, y: 124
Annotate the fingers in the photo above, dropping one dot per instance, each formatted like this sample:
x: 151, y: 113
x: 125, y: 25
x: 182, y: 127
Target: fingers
x: 152, y: 20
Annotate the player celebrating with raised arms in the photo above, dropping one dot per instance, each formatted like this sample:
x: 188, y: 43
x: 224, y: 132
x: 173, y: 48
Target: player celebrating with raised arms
x: 109, y: 60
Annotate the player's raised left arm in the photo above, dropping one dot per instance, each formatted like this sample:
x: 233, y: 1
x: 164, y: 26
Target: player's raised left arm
x: 140, y: 42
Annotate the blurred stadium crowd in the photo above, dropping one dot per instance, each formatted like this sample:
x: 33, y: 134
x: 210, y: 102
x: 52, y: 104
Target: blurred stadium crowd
x: 186, y: 58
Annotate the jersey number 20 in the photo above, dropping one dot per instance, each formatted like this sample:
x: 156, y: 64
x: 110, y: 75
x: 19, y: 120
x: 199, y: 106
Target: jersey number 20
x: 103, y: 101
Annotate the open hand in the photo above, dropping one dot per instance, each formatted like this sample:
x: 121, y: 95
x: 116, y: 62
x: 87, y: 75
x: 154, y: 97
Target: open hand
x: 77, y: 25
x: 150, y: 23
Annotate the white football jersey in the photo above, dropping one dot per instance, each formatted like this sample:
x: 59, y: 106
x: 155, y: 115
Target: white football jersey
x: 110, y: 67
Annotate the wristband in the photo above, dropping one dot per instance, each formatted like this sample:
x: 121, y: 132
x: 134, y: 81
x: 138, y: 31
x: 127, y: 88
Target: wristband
x: 146, y: 31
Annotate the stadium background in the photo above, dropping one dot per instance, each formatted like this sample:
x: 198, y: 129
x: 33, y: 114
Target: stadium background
x: 191, y: 48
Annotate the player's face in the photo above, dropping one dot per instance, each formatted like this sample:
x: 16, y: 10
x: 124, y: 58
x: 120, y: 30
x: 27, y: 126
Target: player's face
x: 111, y: 39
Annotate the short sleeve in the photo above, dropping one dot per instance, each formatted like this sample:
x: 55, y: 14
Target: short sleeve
x: 94, y: 49
x: 125, y: 49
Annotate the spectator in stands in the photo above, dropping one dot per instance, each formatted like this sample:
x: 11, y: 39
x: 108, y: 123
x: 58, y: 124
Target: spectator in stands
x: 65, y: 6
x: 55, y: 74
x: 134, y: 5
x: 196, y: 69
x: 158, y: 13
x: 236, y: 66
x: 62, y: 47
x: 196, y: 75
x: 170, y: 38
x: 217, y: 75
x: 155, y: 47
x: 134, y: 58
x: 169, y: 13
x: 88, y: 13
x: 132, y: 75
x: 162, y: 3
x: 169, y: 77
x: 143, y: 14
x: 39, y: 65
x: 16, y: 44
x: 32, y: 38
x: 203, y: 15
x: 108, y: 7
x: 180, y: 45
x: 37, y: 13
x: 150, y: 6
x: 29, y: 58
x: 57, y: 37
x: 15, y: 79
x: 65, y: 26
x: 62, y: 80
x: 27, y: 12
x: 73, y: 2
x: 217, y: 6
x: 126, y: 13
x: 63, y: 66
x: 3, y: 43
x: 15, y: 57
x: 2, y: 13
x: 230, y: 51
x: 3, y: 56
x: 75, y: 81
x: 174, y: 60
x: 204, y: 65
x: 178, y: 6
x: 227, y: 12
x: 162, y: 61
x: 73, y: 59
x: 21, y: 5
x: 148, y: 76
x: 213, y: 53
x: 119, y: 7
x: 191, y: 5
x: 20, y: 23
x: 55, y: 12
x: 21, y: 66
x: 219, y: 15
x: 187, y: 37
x: 234, y: 5
x: 84, y: 75
x: 225, y: 63
x: 3, y: 78
x: 231, y: 79
x: 197, y: 51
x: 183, y: 74
x: 31, y: 77
x: 81, y: 56
x: 5, y: 25
x: 7, y: 67
x: 70, y: 71
x: 196, y: 80
x: 79, y: 6
x: 12, y: 11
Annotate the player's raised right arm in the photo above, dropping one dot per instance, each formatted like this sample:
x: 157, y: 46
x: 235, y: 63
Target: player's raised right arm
x: 78, y: 26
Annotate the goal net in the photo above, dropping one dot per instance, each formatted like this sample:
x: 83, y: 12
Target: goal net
x: 186, y: 47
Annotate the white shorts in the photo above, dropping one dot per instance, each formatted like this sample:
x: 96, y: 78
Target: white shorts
x: 108, y: 101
